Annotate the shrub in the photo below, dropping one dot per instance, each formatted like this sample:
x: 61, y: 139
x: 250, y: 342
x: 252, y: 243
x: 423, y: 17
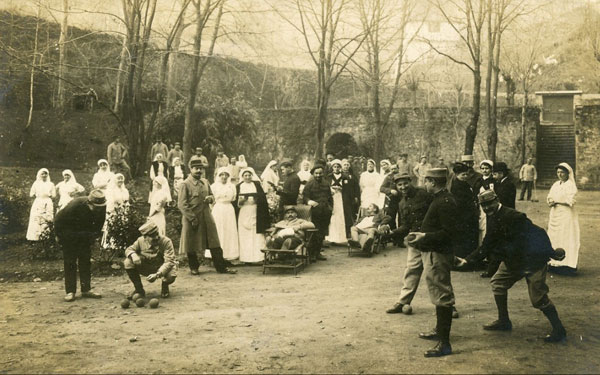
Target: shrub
x: 122, y: 230
x: 46, y: 247
x: 14, y: 208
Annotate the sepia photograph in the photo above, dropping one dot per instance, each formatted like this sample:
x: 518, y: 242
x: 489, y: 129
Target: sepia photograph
x: 300, y: 186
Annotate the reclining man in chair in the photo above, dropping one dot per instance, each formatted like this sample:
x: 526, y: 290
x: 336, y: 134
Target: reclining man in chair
x: 363, y: 233
x: 289, y: 232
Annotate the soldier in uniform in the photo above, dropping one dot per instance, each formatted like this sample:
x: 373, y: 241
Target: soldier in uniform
x: 317, y: 194
x: 412, y: 209
x: 198, y: 231
x: 524, y: 250
x: 472, y: 176
x: 434, y: 241
x: 151, y: 255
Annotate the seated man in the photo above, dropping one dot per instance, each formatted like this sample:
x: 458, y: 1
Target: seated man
x: 151, y: 255
x: 289, y: 232
x: 363, y: 233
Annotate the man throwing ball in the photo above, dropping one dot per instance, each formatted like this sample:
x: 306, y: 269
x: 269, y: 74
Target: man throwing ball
x: 524, y: 250
x: 151, y: 255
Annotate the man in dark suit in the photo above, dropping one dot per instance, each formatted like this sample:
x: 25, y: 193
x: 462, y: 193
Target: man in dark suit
x: 290, y: 186
x: 524, y: 250
x: 504, y: 188
x: 317, y: 194
x: 76, y: 227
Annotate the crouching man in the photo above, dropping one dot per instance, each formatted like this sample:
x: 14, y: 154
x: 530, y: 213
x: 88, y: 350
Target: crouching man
x: 151, y: 255
x: 363, y: 233
x: 524, y: 250
x: 289, y: 232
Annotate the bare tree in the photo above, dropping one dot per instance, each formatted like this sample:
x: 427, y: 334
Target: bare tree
x: 500, y: 15
x: 203, y: 11
x: 331, y: 45
x: 522, y: 61
x: 62, y: 56
x: 34, y: 59
x: 172, y: 69
x: 384, y: 22
x: 466, y: 18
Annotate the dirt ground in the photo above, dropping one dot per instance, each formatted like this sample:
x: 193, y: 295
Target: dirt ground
x: 329, y: 319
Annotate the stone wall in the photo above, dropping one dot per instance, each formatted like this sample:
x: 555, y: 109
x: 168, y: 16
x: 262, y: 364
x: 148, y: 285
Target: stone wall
x: 587, y: 132
x: 429, y: 131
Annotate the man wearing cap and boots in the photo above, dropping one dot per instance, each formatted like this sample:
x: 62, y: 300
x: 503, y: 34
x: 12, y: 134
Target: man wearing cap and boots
x: 435, y: 242
x: 317, y: 194
x: 198, y: 231
x: 151, y: 255
x: 524, y: 250
x: 76, y: 227
x: 289, y: 232
x: 412, y: 209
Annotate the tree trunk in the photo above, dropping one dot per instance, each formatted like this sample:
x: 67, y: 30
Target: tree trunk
x: 122, y: 64
x: 197, y: 70
x: 62, y: 58
x: 321, y: 123
x: 32, y: 75
x: 172, y: 69
x: 524, y: 124
x: 471, y: 130
x: 493, y: 128
x: 488, y: 75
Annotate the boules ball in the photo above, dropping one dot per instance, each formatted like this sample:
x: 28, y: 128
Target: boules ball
x: 411, y: 237
x: 135, y: 297
x: 125, y: 303
x: 407, y: 309
x: 140, y: 302
x: 153, y: 303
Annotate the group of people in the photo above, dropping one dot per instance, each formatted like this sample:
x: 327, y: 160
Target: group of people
x: 447, y: 218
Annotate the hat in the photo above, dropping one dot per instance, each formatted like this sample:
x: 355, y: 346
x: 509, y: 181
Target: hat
x: 460, y: 168
x: 148, y: 228
x: 437, y: 173
x: 287, y: 162
x: 488, y: 162
x: 177, y: 143
x: 336, y: 161
x: 501, y: 167
x: 289, y: 208
x: 196, y: 163
x: 317, y: 166
x: 486, y: 196
x: 401, y: 176
x: 97, y: 198
x: 467, y: 158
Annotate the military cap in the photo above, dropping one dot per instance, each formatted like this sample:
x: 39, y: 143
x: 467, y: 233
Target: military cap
x: 289, y: 208
x: 401, y: 176
x: 97, y: 198
x: 467, y: 158
x: 286, y: 162
x: 317, y: 166
x: 486, y: 196
x: 148, y: 228
x: 196, y: 163
x: 436, y: 173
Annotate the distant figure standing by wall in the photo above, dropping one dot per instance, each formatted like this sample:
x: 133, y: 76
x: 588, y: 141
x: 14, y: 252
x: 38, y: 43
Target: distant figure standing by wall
x: 528, y: 176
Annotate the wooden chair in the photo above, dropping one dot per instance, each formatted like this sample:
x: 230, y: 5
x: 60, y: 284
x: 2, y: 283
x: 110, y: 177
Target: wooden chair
x: 290, y: 259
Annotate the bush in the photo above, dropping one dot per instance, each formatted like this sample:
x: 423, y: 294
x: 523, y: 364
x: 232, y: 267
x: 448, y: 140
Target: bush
x: 122, y: 230
x: 46, y: 247
x: 14, y: 209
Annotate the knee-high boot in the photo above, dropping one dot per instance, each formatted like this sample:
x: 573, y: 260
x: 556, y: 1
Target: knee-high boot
x: 134, y: 276
x: 559, y: 333
x: 444, y: 323
x: 503, y: 323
